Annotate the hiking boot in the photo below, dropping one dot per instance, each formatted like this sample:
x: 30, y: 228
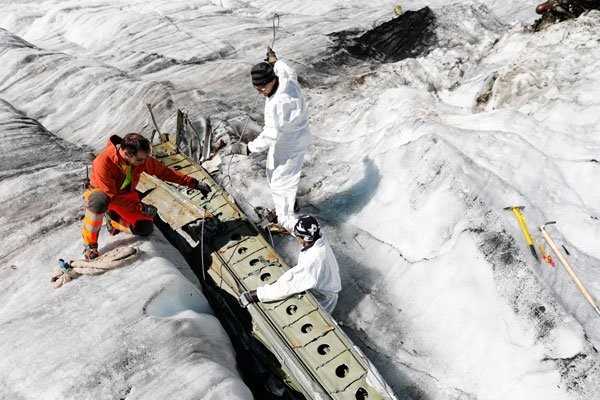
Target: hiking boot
x: 91, y: 251
x: 112, y: 231
x: 266, y: 214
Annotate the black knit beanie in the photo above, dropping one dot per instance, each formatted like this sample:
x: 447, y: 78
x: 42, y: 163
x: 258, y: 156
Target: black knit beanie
x: 262, y: 74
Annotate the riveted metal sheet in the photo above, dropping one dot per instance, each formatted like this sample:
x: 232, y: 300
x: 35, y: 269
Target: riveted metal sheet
x: 223, y: 280
x: 241, y: 250
x: 261, y: 275
x: 323, y: 350
x: 360, y: 389
x: 222, y: 209
x: 181, y: 165
x: 161, y: 151
x: 341, y: 372
x: 306, y: 329
x: 171, y: 160
x: 290, y: 310
x: 190, y: 169
x: 173, y: 202
x: 178, y: 213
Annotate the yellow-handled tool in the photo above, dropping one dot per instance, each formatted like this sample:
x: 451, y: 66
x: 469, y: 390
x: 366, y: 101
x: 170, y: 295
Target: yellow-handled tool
x: 517, y: 211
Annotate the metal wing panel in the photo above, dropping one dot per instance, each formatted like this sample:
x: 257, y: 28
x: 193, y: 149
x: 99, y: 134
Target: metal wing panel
x: 317, y: 358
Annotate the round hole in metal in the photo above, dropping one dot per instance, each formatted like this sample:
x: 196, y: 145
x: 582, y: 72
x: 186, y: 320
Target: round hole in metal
x: 265, y: 277
x: 306, y: 328
x: 291, y: 309
x: 323, y: 349
x: 253, y: 262
x: 242, y: 250
x: 342, y: 370
x: 362, y: 394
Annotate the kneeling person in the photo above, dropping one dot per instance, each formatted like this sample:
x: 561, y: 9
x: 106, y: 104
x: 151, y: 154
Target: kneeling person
x: 317, y: 270
x: 115, y: 173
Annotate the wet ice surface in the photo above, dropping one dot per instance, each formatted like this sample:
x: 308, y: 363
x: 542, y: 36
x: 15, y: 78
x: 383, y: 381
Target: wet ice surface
x: 412, y: 165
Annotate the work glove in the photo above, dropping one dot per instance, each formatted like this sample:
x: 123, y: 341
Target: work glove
x: 248, y: 298
x: 271, y: 57
x: 542, y: 8
x: 149, y: 210
x: 238, y: 148
x: 202, y: 187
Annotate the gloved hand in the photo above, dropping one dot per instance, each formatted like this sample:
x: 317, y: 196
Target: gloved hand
x: 542, y: 8
x: 238, y: 148
x: 202, y: 187
x: 271, y: 57
x: 149, y: 210
x: 248, y: 298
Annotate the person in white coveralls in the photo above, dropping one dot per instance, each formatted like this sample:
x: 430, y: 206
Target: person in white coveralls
x: 286, y: 135
x: 317, y: 270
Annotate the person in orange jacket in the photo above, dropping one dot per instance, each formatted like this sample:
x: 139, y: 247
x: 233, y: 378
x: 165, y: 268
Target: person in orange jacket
x: 112, y: 196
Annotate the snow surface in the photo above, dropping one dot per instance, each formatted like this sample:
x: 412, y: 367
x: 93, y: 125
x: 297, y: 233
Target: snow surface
x: 408, y: 174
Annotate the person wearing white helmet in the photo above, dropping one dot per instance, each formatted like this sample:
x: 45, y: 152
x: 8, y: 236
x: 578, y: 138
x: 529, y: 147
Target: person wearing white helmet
x: 317, y: 270
x: 285, y: 136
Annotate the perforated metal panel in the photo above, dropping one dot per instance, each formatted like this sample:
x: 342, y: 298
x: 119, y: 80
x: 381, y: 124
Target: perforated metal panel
x: 317, y: 358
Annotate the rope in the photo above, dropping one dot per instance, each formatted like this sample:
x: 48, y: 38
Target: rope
x: 275, y: 28
x: 66, y: 272
x: 227, y: 176
x: 202, y: 252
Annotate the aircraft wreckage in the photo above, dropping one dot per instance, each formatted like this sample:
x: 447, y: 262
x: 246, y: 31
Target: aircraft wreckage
x: 294, y: 339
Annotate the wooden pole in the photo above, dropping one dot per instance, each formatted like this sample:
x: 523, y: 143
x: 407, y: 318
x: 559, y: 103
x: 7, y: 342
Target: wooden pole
x: 568, y: 267
x: 180, y: 131
x: 163, y: 138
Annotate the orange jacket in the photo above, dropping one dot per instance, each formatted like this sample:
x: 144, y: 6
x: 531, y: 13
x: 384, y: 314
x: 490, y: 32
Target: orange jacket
x: 108, y: 176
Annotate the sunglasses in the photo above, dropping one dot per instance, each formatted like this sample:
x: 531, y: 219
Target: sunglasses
x: 263, y: 88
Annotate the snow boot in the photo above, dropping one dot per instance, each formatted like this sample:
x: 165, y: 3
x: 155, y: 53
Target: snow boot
x: 91, y: 251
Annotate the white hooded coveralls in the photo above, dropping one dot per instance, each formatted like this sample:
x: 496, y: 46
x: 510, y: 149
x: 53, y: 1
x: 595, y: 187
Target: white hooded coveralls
x: 287, y: 136
x: 317, y: 270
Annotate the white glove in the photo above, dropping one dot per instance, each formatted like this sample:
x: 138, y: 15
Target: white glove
x: 271, y: 57
x: 238, y: 148
x: 248, y: 298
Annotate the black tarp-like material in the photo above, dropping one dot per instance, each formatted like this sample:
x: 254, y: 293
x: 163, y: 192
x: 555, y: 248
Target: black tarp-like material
x: 408, y: 35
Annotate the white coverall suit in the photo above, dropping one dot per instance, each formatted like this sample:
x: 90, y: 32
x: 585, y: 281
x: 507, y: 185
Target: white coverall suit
x: 287, y: 136
x: 317, y: 270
